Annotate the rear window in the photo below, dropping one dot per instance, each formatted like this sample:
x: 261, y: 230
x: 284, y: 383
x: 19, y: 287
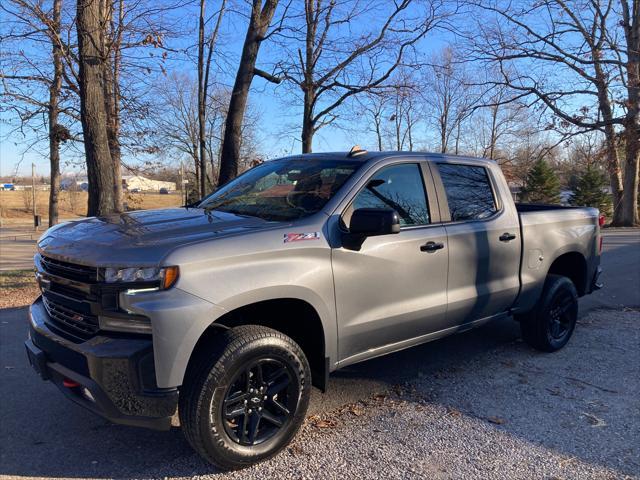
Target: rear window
x: 468, y: 190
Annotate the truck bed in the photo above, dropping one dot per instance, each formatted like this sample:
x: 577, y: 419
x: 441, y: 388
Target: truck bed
x: 548, y: 232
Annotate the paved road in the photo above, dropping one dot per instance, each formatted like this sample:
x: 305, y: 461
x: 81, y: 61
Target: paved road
x: 17, y: 246
x: 43, y: 435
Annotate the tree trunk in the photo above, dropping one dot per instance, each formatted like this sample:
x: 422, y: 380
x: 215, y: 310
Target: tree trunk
x: 308, y: 125
x: 494, y: 131
x: 259, y: 22
x: 632, y: 119
x: 54, y: 131
x: 615, y: 176
x: 378, y: 132
x: 630, y: 197
x: 309, y: 87
x: 112, y: 97
x: 202, y: 146
x: 90, y: 28
x: 196, y: 169
x: 613, y: 162
x: 443, y: 136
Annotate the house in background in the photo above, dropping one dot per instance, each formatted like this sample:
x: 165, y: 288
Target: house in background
x: 137, y: 183
x: 74, y: 182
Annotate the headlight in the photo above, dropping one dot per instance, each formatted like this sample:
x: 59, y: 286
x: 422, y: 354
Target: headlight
x: 165, y: 276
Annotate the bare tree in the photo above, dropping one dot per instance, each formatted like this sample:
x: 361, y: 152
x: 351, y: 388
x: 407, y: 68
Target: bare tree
x: 206, y: 46
x: 36, y: 86
x: 261, y: 16
x: 136, y: 55
x: 113, y: 45
x: 569, y: 59
x: 497, y: 120
x: 175, y: 125
x: 449, y: 96
x: 91, y: 22
x: 331, y: 64
x: 57, y: 133
x: 631, y: 26
x: 373, y: 105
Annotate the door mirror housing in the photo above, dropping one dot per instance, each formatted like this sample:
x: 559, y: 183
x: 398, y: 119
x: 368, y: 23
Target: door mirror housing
x: 370, y: 222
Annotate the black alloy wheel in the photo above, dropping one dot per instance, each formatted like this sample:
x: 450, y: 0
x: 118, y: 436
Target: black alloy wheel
x: 260, y: 402
x: 561, y: 315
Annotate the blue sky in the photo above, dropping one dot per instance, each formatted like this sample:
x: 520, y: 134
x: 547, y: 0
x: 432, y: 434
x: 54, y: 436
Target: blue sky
x: 279, y: 111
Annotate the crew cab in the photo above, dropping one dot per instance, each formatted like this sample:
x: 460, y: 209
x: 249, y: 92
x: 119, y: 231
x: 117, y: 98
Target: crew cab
x: 229, y: 310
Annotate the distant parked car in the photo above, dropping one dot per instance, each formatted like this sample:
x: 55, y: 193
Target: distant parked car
x: 135, y: 190
x: 164, y: 191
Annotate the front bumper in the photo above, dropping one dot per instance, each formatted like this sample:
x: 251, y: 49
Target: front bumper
x: 113, y: 376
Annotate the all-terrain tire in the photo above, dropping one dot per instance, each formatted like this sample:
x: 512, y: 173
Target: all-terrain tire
x: 549, y: 326
x: 207, y: 400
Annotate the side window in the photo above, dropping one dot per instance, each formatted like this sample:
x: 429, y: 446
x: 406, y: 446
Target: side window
x: 468, y: 191
x: 399, y: 187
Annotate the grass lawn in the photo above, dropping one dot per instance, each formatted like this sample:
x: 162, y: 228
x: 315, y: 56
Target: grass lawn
x: 16, y: 205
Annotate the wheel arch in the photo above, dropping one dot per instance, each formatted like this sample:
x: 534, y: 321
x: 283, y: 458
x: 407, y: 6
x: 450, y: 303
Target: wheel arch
x: 295, y: 317
x: 572, y: 265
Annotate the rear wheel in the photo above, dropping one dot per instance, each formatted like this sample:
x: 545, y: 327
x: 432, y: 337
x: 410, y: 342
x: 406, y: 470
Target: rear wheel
x: 246, y: 398
x: 550, y: 325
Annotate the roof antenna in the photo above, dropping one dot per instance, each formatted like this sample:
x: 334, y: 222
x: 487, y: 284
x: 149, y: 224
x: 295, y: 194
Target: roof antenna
x: 356, y: 151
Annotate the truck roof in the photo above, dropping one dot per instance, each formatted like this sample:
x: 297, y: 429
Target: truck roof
x: 366, y: 156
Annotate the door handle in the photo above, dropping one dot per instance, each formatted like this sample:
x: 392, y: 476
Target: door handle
x: 507, y: 237
x: 431, y: 247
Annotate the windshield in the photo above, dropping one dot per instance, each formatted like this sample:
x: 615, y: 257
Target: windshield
x: 282, y: 190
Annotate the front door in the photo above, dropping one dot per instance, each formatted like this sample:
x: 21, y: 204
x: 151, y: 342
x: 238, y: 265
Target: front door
x: 395, y: 287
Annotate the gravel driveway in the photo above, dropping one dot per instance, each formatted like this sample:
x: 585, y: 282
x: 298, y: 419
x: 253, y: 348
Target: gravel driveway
x: 509, y: 412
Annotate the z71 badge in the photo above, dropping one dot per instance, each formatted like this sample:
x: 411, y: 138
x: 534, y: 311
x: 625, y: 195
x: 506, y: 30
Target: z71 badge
x: 300, y: 237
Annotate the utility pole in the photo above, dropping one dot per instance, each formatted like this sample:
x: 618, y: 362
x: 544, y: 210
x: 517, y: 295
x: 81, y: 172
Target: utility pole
x: 182, y: 192
x: 33, y: 194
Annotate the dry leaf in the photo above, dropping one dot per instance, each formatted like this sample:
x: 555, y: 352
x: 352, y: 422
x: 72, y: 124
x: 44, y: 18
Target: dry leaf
x: 593, y: 420
x: 452, y: 412
x: 496, y: 420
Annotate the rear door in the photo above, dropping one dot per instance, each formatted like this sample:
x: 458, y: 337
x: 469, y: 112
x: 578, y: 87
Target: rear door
x: 484, y: 242
x: 393, y: 289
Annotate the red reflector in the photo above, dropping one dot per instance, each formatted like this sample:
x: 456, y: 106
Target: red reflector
x: 70, y: 383
x: 601, y: 220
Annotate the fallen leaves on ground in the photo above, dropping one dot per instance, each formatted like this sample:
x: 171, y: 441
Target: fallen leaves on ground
x: 318, y: 421
x: 18, y: 288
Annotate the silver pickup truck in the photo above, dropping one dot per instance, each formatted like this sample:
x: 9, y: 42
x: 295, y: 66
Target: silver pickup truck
x: 231, y: 309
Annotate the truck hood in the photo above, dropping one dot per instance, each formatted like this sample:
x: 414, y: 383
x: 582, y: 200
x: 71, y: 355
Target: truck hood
x: 140, y: 238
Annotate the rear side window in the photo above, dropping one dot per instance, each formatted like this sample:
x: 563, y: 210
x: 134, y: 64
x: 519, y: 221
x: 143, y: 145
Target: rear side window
x: 468, y: 192
x: 399, y: 187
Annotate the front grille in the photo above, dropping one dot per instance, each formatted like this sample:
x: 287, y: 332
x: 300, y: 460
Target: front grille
x: 72, y: 271
x: 70, y: 316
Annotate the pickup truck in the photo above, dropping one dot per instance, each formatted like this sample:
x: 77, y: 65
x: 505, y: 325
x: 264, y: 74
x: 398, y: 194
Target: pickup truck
x: 229, y: 310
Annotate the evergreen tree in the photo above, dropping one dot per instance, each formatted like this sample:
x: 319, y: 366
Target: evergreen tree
x: 542, y: 185
x: 589, y: 191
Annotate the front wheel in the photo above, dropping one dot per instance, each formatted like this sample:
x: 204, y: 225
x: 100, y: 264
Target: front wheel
x: 549, y: 326
x: 246, y: 398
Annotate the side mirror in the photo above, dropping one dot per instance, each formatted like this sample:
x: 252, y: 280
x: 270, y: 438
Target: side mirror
x: 370, y: 222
